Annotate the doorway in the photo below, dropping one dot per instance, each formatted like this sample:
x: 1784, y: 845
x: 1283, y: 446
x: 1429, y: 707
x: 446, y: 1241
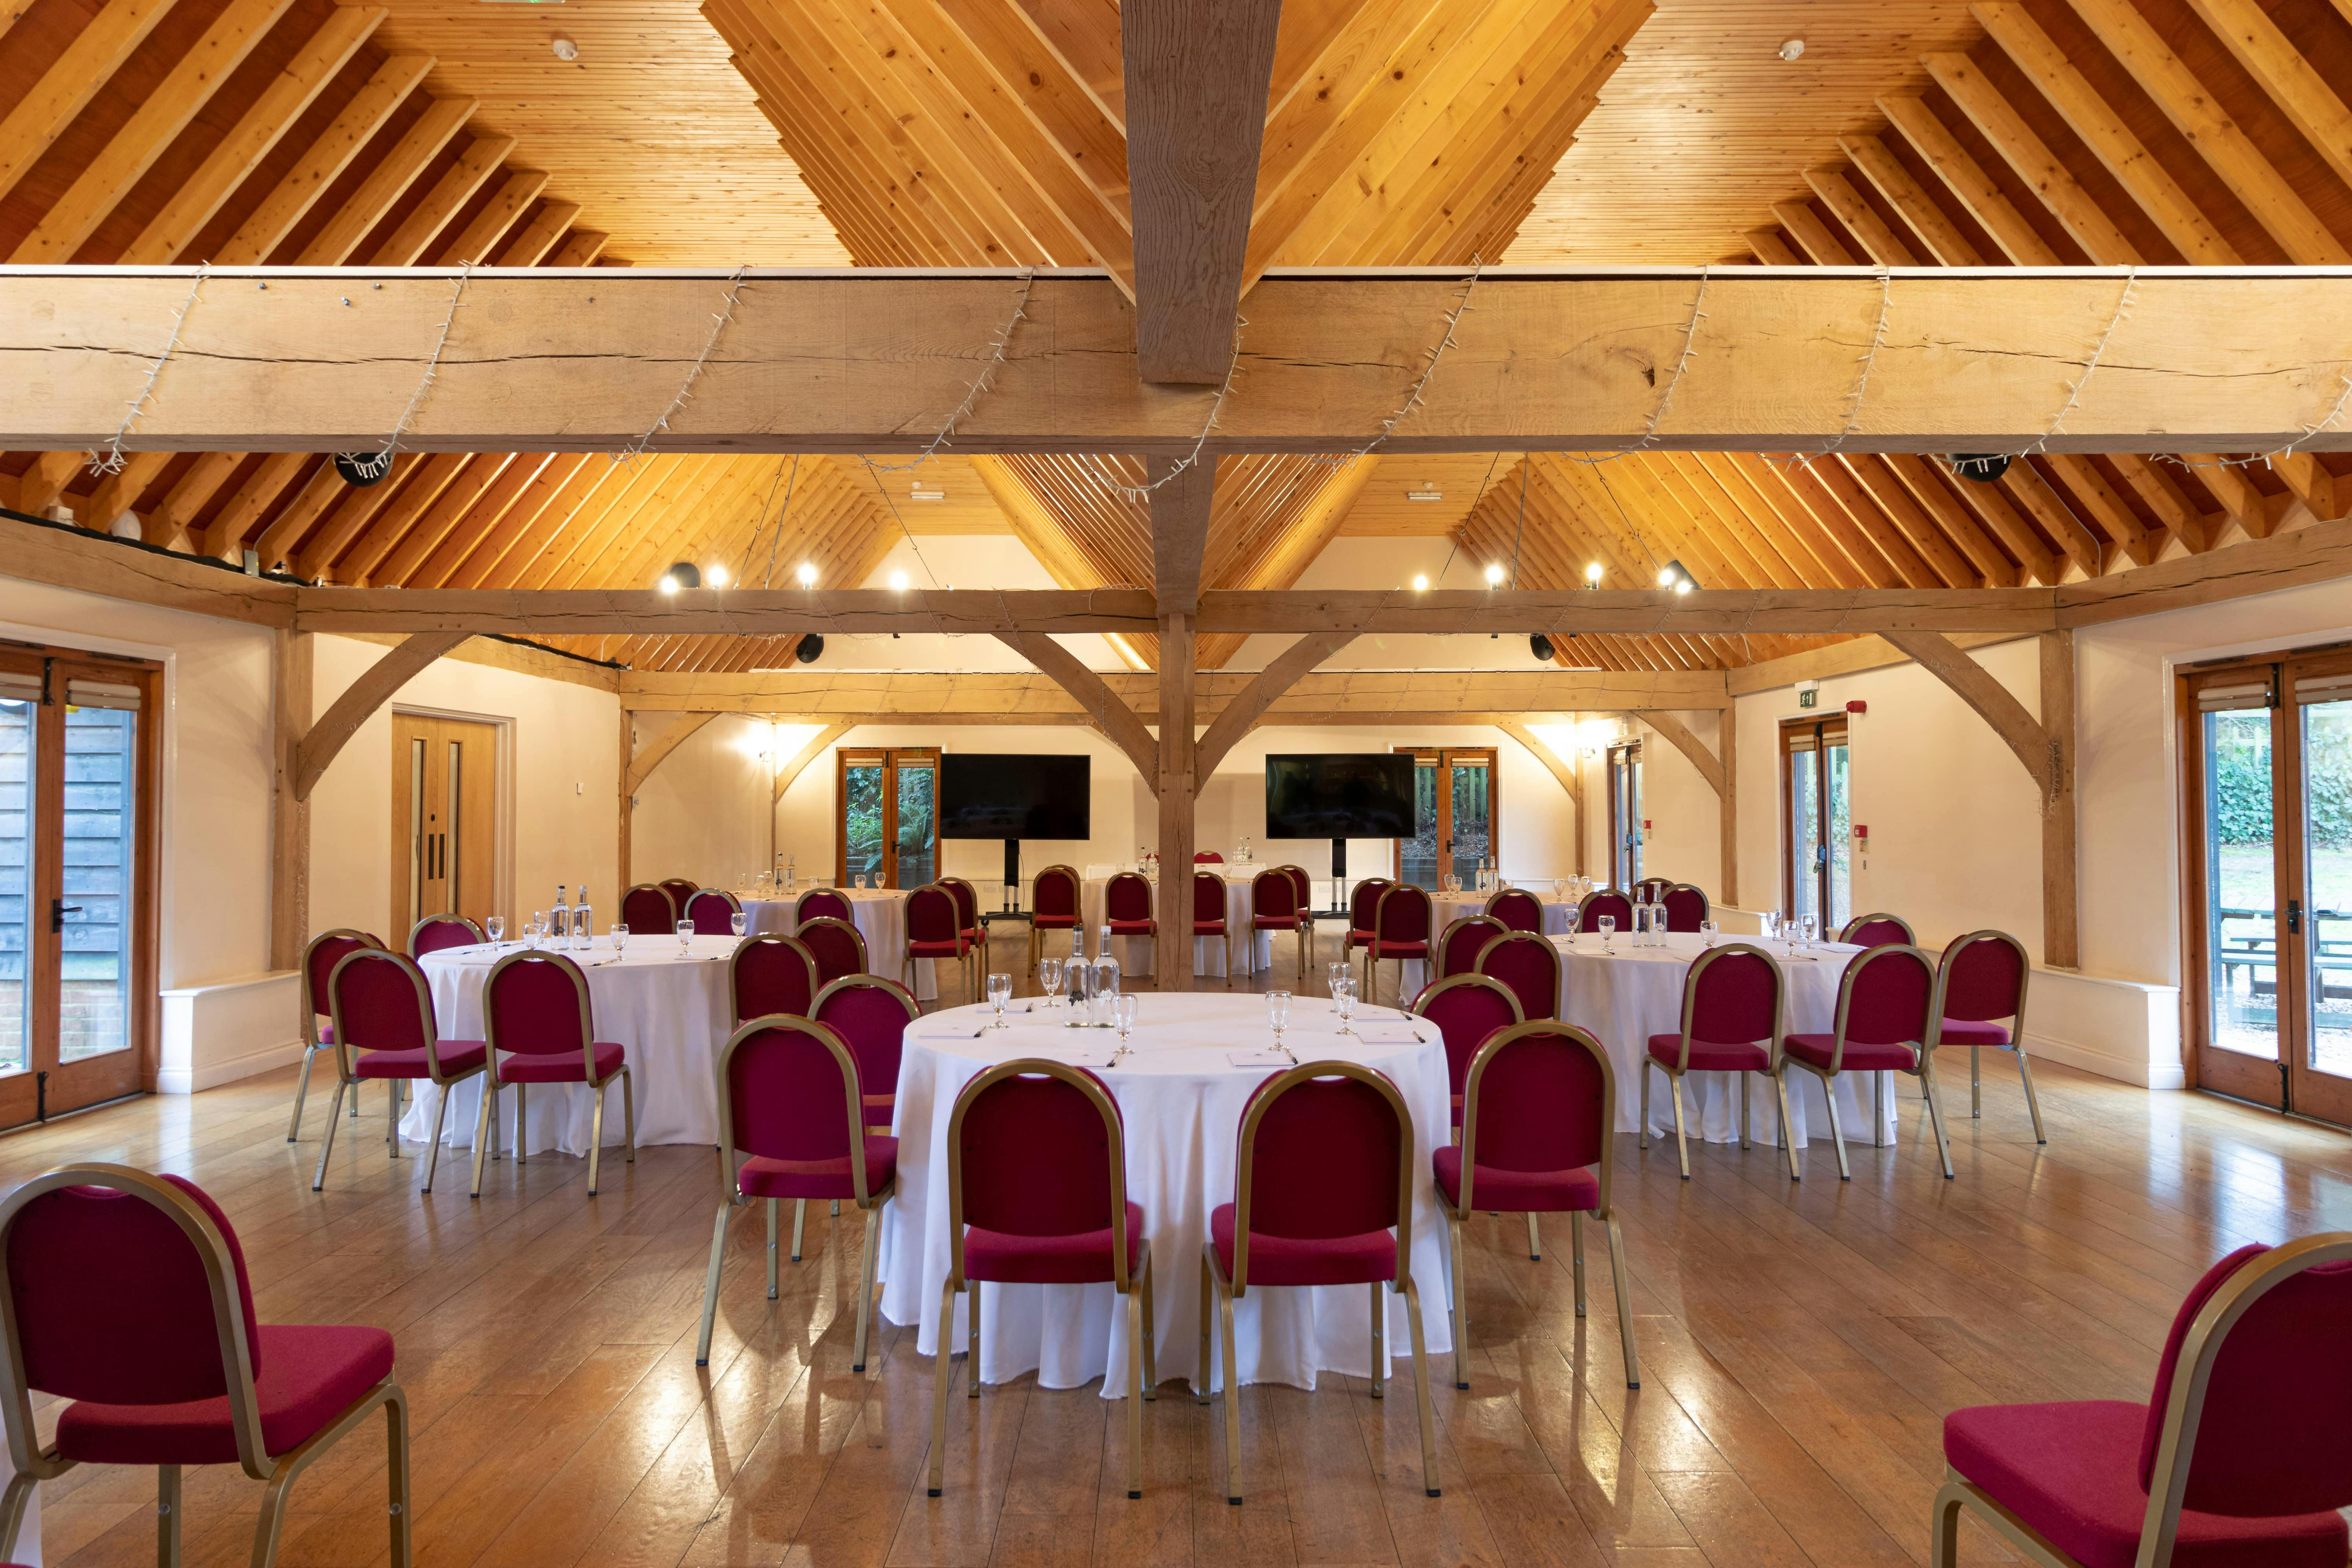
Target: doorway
x: 443, y: 820
x: 2268, y: 862
x: 888, y: 830
x: 1454, y: 817
x: 78, y: 857
x: 1816, y: 822
x: 1626, y: 822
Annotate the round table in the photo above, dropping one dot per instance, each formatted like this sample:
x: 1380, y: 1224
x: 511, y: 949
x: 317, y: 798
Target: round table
x: 1253, y: 950
x: 1181, y: 1098
x: 880, y: 916
x: 670, y: 1013
x: 1559, y: 914
x: 1625, y: 994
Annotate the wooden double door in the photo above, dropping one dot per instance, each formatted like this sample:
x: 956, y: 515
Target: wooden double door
x: 444, y: 775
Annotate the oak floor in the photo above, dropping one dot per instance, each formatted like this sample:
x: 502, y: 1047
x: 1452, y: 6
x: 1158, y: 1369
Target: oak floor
x: 1799, y: 1344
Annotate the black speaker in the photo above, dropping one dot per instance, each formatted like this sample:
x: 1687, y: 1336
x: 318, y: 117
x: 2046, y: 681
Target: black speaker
x: 812, y: 648
x: 684, y: 573
x: 1541, y: 646
x: 1984, y: 467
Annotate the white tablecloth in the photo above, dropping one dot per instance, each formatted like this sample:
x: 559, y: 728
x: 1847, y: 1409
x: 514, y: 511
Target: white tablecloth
x: 1626, y: 998
x: 1252, y: 952
x: 1182, y: 1101
x: 1559, y: 914
x: 880, y: 916
x: 670, y: 1013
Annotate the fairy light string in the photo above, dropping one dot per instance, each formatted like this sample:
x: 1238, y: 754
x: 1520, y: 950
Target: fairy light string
x: 113, y: 462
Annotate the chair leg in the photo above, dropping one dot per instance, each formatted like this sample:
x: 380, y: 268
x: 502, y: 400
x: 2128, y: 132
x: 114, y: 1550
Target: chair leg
x: 1837, y: 1130
x: 797, y: 1208
x: 1682, y: 1141
x: 972, y: 1343
x: 301, y: 1093
x: 1206, y: 1373
x: 327, y: 1144
x: 1420, y: 1389
x: 628, y: 1118
x: 1975, y: 1084
x: 485, y: 1122
x: 395, y: 1466
x: 1788, y: 1133
x: 1460, y: 1306
x: 1944, y: 1527
x: 12, y: 1510
x: 1150, y: 1340
x: 391, y: 1119
x: 1624, y: 1302
x: 872, y: 1250
x: 1134, y: 1390
x: 595, y: 1142
x: 940, y: 1384
x: 1576, y: 1247
x: 711, y: 1281
x: 1878, y: 1111
x: 800, y: 1225
x: 1233, y: 1396
x: 1379, y: 1345
x: 167, y: 1519
x: 1535, y: 1239
x: 522, y: 1112
x: 1642, y: 1132
x: 1746, y: 1108
x: 1935, y: 1110
x: 2032, y: 1107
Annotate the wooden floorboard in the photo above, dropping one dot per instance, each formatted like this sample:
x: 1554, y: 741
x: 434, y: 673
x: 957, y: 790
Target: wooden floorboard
x: 1800, y: 1341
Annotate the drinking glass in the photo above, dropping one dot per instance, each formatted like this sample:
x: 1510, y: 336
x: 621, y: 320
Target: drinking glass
x: 1806, y: 926
x: 1771, y: 925
x: 1000, y: 990
x: 496, y: 926
x: 1049, y: 980
x: 1608, y: 924
x: 738, y: 922
x: 859, y: 882
x: 1559, y: 888
x: 1344, y: 1000
x: 685, y: 938
x: 1124, y: 1010
x: 620, y: 938
x: 1707, y: 930
x: 537, y: 924
x: 1337, y: 975
x: 1277, y: 1014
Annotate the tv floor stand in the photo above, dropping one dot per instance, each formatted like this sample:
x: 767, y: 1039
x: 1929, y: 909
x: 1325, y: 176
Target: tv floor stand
x: 1012, y: 876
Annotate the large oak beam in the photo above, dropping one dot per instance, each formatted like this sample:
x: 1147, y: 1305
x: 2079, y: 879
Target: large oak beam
x: 289, y: 805
x: 372, y: 691
x: 1974, y: 685
x: 1093, y: 698
x: 1179, y: 789
x: 876, y: 361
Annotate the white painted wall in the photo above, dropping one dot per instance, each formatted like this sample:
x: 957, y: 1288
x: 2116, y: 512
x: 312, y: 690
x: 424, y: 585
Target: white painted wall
x: 704, y: 813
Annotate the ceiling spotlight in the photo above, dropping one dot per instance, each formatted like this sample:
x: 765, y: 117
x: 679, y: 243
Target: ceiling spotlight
x: 1592, y: 573
x: 1794, y: 49
x: 1674, y: 575
x: 1494, y: 576
x: 716, y: 576
x: 1665, y: 576
x: 897, y: 582
x: 668, y: 584
x: 1421, y: 581
x: 807, y: 574
x: 682, y: 575
x: 565, y: 49
x: 1683, y: 586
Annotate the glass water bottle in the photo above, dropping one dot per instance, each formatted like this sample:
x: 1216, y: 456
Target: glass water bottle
x: 584, y: 924
x: 559, y: 919
x: 1102, y: 1011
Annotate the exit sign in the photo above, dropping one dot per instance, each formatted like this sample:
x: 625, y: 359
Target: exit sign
x: 1807, y: 698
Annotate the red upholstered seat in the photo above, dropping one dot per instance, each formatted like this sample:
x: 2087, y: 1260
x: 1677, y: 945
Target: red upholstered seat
x: 1970, y: 1032
x: 306, y: 1377
x: 559, y: 1067
x: 2072, y: 1472
x: 1208, y: 928
x: 1861, y: 1056
x: 1294, y: 1260
x: 1403, y: 949
x: 1705, y: 1056
x: 1083, y: 1258
x: 763, y: 1177
x: 1515, y: 1191
x: 1054, y: 922
x: 944, y: 948
x: 456, y: 1056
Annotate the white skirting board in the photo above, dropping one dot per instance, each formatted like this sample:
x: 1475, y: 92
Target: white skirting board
x: 230, y: 1029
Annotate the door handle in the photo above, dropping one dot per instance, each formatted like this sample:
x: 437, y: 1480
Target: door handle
x: 2294, y: 916
x: 58, y: 910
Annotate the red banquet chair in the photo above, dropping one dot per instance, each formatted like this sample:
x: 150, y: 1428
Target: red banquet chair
x: 712, y: 911
x: 434, y: 932
x: 1323, y: 1175
x: 837, y: 946
x: 1517, y: 909
x: 1053, y: 906
x: 1879, y: 931
x: 1654, y: 887
x: 1401, y: 926
x: 872, y: 1015
x: 319, y: 959
x: 1126, y: 906
x: 2237, y: 1460
x: 680, y: 889
x: 1305, y: 885
x: 1885, y: 1007
x: 1207, y: 858
x: 648, y: 908
x: 1731, y: 1023
x: 820, y: 904
x: 127, y: 1297
x: 1037, y: 1196
x: 791, y: 1101
x: 536, y: 1013
x: 772, y: 973
x: 1361, y: 902
x: 1467, y: 1009
x: 1537, y: 1120
x: 1459, y: 944
x: 1685, y: 908
x: 1529, y: 965
x: 384, y: 1029
x: 967, y: 921
x: 1275, y: 906
x: 933, y: 931
x: 1981, y: 979
x: 1209, y: 916
x: 1605, y: 901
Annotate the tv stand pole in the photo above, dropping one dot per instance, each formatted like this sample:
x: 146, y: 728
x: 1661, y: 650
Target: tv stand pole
x: 1339, y: 875
x: 1012, y: 876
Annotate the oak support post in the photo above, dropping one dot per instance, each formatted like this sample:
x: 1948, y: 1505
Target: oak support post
x: 2060, y: 906
x: 290, y: 808
x: 1178, y: 791
x: 1727, y: 751
x: 622, y: 879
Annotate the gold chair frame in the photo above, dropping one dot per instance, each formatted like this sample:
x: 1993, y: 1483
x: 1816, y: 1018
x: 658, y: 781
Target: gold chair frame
x: 1706, y: 904
x: 1457, y: 1215
x: 312, y: 1044
x: 1519, y: 1015
x: 979, y: 921
x: 1478, y: 966
x: 1305, y: 920
x: 1150, y: 897
x: 33, y: 1464
x: 731, y: 1196
x: 1437, y: 947
x: 1142, y: 1359
x: 1407, y: 892
x: 1846, y: 932
x: 1584, y: 903
x: 1036, y: 932
x: 1923, y: 1066
x: 1487, y: 909
x: 410, y: 946
x: 765, y: 939
x: 1218, y: 1294
x: 914, y: 1011
x: 907, y: 959
x: 345, y: 1078
x: 486, y: 1124
x: 734, y: 906
x: 1225, y: 917
x: 865, y: 964
x: 1773, y: 1059
x: 2016, y: 1045
x: 2192, y: 1371
x: 1299, y: 927
x: 675, y: 913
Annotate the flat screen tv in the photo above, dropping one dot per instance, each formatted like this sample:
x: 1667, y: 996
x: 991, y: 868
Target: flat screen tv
x: 1342, y: 794
x: 1017, y: 795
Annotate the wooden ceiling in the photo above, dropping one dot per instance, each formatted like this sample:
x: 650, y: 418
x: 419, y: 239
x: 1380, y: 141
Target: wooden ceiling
x: 918, y: 133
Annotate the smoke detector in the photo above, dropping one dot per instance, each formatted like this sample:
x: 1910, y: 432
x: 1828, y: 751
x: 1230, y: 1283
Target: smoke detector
x: 567, y: 51
x: 1794, y: 49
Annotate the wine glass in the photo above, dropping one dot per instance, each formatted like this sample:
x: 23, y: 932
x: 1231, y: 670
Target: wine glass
x: 1559, y: 890
x: 537, y: 924
x: 1000, y: 990
x: 1277, y: 1014
x: 1807, y: 925
x: 1123, y: 1014
x: 620, y: 938
x: 858, y: 881
x: 1337, y: 976
x: 496, y: 926
x: 685, y: 938
x: 1707, y: 930
x: 1608, y: 924
x: 738, y: 922
x: 1049, y: 980
x: 1344, y: 1001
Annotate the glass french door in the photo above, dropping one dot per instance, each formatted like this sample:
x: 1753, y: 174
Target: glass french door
x: 1453, y: 816
x: 444, y: 832
x: 2270, y: 872
x: 1817, y: 822
x: 76, y: 860
x: 888, y: 831
x: 1626, y: 822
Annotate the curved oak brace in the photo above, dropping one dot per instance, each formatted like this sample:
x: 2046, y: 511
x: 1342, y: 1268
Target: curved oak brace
x: 1249, y: 704
x: 1722, y: 776
x: 642, y: 765
x: 1676, y: 731
x: 804, y: 756
x: 1113, y: 718
x: 371, y: 691
x: 1562, y: 770
x: 1975, y: 686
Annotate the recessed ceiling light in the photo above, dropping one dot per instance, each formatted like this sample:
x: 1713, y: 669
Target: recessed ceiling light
x: 716, y: 576
x: 1421, y: 581
x: 920, y: 493
x: 807, y: 575
x: 1428, y: 491
x: 1794, y: 49
x: 898, y: 581
x: 1592, y: 573
x: 1495, y: 575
